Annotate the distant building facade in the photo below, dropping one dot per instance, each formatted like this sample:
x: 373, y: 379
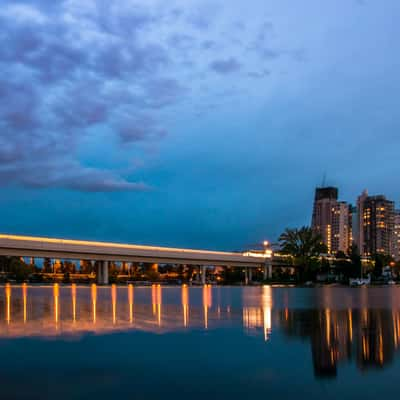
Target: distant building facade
x: 332, y: 220
x: 359, y: 223
x: 375, y: 224
x: 396, y: 236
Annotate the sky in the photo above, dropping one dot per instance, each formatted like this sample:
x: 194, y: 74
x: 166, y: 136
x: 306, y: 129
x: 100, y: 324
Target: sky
x: 203, y: 124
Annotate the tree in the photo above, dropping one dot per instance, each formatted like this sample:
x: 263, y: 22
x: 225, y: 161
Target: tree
x: 4, y: 263
x: 305, y: 247
x: 69, y: 267
x: 86, y: 267
x: 47, y: 266
x: 340, y: 254
x: 355, y: 258
x: 381, y: 260
x: 20, y: 270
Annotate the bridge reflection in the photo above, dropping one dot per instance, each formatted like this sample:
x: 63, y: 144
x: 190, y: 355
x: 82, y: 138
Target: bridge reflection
x: 63, y: 310
x: 367, y: 335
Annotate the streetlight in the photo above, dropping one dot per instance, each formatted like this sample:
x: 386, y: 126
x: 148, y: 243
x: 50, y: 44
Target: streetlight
x: 268, y: 261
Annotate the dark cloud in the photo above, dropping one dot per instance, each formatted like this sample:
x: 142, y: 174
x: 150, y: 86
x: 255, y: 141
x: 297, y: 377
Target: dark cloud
x: 181, y: 41
x: 208, y: 44
x: 68, y: 175
x: 202, y: 16
x: 66, y: 68
x: 69, y: 68
x: 259, y: 74
x: 227, y: 66
x: 263, y: 45
x: 200, y: 21
x: 164, y: 92
x: 139, y: 128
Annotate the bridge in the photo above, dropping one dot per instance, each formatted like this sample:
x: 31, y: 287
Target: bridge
x: 104, y: 252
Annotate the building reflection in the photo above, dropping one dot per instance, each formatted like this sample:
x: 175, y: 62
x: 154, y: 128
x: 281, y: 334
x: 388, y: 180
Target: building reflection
x: 367, y: 336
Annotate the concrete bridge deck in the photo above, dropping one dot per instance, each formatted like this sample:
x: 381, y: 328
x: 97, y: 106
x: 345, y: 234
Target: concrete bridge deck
x: 30, y: 246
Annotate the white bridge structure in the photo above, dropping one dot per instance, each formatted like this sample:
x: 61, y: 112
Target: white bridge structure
x: 30, y: 246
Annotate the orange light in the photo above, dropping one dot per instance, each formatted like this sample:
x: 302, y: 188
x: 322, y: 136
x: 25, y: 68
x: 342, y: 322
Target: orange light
x: 73, y: 295
x: 114, y: 302
x: 56, y: 293
x: 94, y: 301
x: 24, y: 296
x: 207, y: 302
x: 185, y: 305
x: 8, y: 301
x: 130, y: 299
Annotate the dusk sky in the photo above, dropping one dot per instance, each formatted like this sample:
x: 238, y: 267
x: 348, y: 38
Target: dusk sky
x: 203, y: 124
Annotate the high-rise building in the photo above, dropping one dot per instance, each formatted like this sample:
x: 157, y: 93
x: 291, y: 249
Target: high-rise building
x: 396, y: 236
x: 341, y: 227
x: 359, y: 223
x: 332, y: 220
x: 375, y: 225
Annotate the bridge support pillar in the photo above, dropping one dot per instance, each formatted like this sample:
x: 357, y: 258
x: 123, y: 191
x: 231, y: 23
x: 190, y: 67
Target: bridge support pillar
x: 102, y: 273
x: 267, y: 270
x: 246, y: 277
x: 250, y: 274
x: 203, y: 274
x: 124, y: 267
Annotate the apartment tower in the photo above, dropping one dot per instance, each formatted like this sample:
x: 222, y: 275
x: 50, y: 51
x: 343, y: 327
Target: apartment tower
x: 396, y: 236
x: 332, y: 220
x: 376, y: 221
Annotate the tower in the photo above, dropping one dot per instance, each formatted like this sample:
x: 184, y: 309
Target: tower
x: 331, y: 219
x: 376, y: 220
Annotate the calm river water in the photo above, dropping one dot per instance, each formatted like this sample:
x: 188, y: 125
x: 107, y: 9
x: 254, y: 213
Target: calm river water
x: 73, y: 342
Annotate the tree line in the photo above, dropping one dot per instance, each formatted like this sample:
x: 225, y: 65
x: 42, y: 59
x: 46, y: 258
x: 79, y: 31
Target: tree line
x: 307, y: 253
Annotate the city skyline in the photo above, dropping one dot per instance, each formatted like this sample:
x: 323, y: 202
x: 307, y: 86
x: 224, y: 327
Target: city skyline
x: 192, y: 124
x: 371, y: 223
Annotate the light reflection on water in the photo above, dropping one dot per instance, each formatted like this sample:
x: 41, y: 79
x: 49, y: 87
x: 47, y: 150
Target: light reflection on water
x: 336, y: 327
x: 65, y: 310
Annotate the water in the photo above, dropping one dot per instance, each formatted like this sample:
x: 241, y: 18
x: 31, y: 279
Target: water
x: 201, y: 342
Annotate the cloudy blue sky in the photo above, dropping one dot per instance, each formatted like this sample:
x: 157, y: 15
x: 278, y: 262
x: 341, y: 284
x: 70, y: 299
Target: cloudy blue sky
x: 193, y: 123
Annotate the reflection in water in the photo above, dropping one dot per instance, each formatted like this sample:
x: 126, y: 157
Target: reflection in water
x: 156, y: 300
x: 260, y: 316
x: 130, y: 300
x: 185, y: 305
x: 338, y: 328
x: 114, y: 303
x: 24, y: 297
x: 369, y: 336
x: 8, y: 302
x: 73, y: 295
x: 94, y: 302
x: 207, y: 302
x: 56, y: 293
x: 267, y: 308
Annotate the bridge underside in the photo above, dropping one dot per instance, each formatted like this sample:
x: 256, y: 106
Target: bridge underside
x: 122, y: 258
